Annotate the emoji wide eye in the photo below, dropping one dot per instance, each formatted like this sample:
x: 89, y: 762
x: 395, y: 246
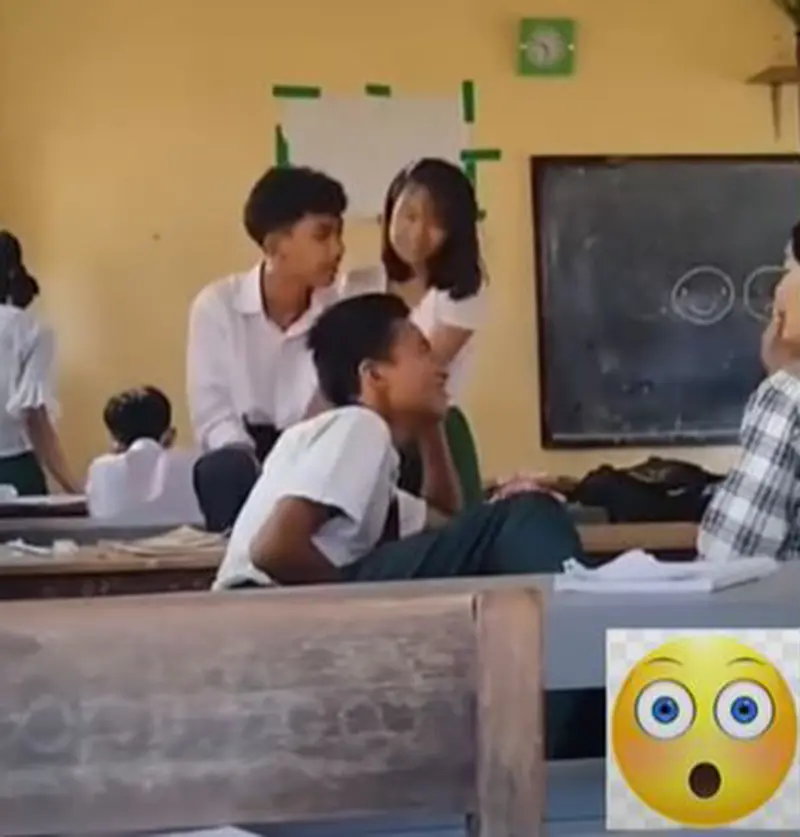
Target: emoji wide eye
x: 744, y: 709
x: 664, y: 709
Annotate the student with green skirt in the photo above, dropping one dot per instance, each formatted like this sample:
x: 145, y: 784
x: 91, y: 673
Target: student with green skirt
x: 29, y: 443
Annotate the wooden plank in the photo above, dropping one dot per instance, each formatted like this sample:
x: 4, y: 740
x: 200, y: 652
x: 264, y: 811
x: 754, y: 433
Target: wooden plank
x: 510, y: 769
x: 194, y: 710
x: 598, y: 538
x: 614, y: 538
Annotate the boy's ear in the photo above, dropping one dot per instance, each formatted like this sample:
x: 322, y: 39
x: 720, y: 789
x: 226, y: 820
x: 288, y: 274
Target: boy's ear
x: 271, y: 243
x: 168, y: 439
x: 372, y: 371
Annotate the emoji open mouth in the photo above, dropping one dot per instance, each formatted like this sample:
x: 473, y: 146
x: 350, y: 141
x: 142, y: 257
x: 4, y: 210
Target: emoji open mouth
x: 704, y: 780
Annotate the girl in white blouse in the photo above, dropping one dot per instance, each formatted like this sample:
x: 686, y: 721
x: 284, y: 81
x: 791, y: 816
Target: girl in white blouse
x: 28, y: 439
x: 431, y: 257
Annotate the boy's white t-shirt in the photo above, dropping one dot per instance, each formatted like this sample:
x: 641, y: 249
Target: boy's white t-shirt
x: 147, y: 483
x: 343, y: 458
x: 434, y: 309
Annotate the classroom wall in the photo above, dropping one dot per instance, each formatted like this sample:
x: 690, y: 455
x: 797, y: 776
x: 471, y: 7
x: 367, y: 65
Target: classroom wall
x: 131, y: 130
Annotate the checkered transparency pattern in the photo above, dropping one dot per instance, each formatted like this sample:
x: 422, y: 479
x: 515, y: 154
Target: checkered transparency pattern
x: 626, y: 647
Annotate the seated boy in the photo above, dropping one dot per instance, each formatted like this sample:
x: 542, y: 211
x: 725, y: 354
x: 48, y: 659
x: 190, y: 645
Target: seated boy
x: 754, y: 512
x: 145, y: 480
x: 326, y: 507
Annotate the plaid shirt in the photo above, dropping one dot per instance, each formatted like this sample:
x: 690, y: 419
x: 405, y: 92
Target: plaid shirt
x: 755, y: 511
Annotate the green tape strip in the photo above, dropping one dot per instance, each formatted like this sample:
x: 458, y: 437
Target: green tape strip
x: 378, y: 90
x: 485, y: 154
x: 281, y: 148
x: 468, y: 101
x: 471, y: 171
x: 288, y: 91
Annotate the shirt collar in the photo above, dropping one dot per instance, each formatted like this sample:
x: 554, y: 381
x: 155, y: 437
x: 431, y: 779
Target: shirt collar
x: 248, y: 300
x: 248, y: 292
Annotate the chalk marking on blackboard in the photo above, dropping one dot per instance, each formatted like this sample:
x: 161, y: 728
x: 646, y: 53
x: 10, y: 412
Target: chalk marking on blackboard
x: 689, y: 309
x: 755, y: 302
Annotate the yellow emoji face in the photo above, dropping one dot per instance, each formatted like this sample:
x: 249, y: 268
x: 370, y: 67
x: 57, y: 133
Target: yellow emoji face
x: 704, y: 730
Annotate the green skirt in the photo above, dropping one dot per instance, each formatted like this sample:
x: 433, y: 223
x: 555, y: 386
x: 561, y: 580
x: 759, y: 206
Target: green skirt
x: 24, y: 472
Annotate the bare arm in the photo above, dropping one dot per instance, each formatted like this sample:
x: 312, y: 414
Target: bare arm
x: 47, y: 448
x: 447, y: 341
x: 440, y: 485
x: 283, y: 547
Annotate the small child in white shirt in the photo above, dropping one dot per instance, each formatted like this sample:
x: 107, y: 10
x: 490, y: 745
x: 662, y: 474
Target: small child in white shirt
x: 145, y: 480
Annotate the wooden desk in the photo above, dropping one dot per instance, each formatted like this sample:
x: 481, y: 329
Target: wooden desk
x: 126, y: 574
x: 606, y: 540
x: 168, y: 712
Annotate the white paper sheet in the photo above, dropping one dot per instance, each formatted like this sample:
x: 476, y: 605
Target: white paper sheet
x: 364, y: 141
x: 706, y: 577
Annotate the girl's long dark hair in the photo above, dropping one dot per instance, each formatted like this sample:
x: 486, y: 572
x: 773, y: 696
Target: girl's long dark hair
x: 17, y: 286
x: 456, y: 267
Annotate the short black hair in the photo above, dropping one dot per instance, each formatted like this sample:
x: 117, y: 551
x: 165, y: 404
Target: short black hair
x: 143, y: 413
x: 348, y: 333
x: 457, y: 266
x: 17, y: 286
x: 796, y: 242
x: 285, y: 195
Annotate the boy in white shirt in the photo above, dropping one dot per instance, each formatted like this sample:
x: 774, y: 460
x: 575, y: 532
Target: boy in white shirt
x: 249, y: 372
x: 326, y: 507
x: 145, y: 480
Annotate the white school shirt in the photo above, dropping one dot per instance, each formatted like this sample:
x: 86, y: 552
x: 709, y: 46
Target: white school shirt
x: 27, y: 356
x: 435, y: 308
x: 146, y: 484
x: 343, y: 458
x: 241, y: 364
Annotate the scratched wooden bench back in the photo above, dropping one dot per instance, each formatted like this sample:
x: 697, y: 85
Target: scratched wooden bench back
x: 195, y: 710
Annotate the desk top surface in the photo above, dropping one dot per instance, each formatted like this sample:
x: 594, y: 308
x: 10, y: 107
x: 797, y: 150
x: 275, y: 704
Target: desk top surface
x: 576, y: 623
x: 598, y: 539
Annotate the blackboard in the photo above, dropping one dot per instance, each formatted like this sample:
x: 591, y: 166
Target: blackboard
x: 654, y: 283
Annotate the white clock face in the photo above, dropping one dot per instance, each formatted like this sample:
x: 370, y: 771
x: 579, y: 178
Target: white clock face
x: 545, y: 48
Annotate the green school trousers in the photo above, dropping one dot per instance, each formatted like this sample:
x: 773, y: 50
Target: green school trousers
x: 526, y: 533
x: 24, y: 472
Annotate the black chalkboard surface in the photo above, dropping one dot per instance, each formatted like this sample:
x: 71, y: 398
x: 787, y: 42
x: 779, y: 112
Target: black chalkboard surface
x: 655, y: 279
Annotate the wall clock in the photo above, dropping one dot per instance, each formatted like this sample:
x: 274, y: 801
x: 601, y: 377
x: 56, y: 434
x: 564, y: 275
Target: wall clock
x: 546, y: 47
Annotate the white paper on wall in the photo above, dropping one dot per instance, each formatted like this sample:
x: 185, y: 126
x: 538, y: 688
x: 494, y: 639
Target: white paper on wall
x: 363, y: 141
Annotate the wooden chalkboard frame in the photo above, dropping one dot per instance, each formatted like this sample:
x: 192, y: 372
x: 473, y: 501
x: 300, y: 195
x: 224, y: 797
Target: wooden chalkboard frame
x: 538, y: 165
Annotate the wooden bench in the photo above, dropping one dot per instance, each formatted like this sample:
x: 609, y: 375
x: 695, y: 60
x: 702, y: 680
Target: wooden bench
x: 192, y: 711
x: 128, y: 574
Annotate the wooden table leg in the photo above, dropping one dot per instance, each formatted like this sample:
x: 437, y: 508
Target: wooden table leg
x: 510, y: 765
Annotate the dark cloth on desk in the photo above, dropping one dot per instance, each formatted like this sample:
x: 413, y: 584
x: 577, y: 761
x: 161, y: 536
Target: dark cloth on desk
x: 663, y: 490
x: 523, y: 534
x: 224, y: 478
x: 24, y: 472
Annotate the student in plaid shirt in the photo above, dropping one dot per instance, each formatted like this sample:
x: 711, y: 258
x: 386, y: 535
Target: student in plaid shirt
x: 756, y: 510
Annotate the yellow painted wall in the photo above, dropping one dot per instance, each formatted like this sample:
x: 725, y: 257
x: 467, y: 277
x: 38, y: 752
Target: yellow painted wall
x: 131, y: 130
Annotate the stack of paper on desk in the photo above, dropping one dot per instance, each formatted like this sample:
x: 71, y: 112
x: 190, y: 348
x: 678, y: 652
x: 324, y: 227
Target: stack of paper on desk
x: 20, y: 552
x: 639, y: 572
x: 181, y: 541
